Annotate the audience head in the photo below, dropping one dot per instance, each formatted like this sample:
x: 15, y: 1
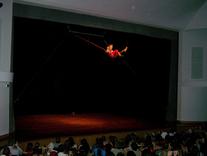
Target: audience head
x: 6, y: 151
x: 57, y: 140
x: 29, y: 146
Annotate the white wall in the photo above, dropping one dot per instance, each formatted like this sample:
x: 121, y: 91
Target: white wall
x: 192, y: 93
x: 5, y: 64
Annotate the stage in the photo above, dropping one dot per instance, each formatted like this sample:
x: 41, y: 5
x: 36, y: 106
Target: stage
x: 42, y: 126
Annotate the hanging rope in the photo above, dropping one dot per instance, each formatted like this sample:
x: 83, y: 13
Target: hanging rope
x: 34, y: 76
x: 85, y: 40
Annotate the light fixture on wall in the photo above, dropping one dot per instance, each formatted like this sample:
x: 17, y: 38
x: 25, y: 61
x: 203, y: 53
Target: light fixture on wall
x: 1, y: 4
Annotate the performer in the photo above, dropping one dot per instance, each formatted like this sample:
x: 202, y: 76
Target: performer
x: 114, y: 53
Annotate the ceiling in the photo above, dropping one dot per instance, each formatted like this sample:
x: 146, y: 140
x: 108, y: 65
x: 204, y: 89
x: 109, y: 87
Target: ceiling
x: 169, y: 14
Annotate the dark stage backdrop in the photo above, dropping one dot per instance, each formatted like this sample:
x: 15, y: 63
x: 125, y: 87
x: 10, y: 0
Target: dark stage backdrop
x: 56, y: 72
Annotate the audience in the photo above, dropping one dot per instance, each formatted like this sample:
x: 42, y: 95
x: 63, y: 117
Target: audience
x: 163, y: 143
x: 54, y: 144
x: 37, y: 150
x: 62, y: 150
x: 5, y: 151
x: 29, y: 150
x: 15, y: 150
x: 98, y: 148
x: 84, y: 148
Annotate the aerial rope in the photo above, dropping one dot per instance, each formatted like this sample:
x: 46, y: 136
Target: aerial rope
x: 34, y: 76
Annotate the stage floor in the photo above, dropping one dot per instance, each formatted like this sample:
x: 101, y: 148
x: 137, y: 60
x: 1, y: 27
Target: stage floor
x: 39, y: 126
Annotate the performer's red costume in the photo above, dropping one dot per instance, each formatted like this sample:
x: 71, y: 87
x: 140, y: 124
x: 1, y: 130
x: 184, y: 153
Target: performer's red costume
x: 114, y: 53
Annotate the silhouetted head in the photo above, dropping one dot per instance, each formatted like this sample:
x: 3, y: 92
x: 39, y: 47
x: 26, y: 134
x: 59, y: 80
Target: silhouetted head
x: 57, y: 140
x: 6, y: 151
x: 109, y: 46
